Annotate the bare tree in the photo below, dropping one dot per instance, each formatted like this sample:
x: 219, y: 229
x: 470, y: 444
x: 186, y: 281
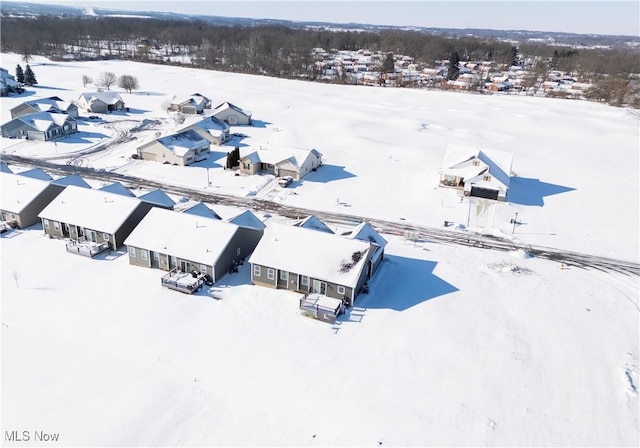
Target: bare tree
x: 107, y: 79
x: 86, y: 80
x: 128, y: 83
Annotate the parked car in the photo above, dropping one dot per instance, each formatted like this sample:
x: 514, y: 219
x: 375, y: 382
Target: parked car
x: 285, y: 181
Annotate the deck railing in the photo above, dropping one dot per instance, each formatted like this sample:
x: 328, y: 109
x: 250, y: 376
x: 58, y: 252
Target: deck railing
x: 182, y: 281
x: 86, y: 248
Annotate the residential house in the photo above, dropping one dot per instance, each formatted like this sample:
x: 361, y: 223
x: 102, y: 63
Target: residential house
x: 101, y: 102
x: 201, y: 209
x: 312, y: 222
x: 23, y: 198
x: 72, y: 179
x: 305, y: 260
x: 40, y: 126
x: 247, y: 220
x: 8, y: 83
x: 118, y: 188
x: 193, y: 104
x: 36, y: 173
x: 210, y: 128
x: 101, y: 217
x: 232, y: 114
x: 365, y: 232
x: 183, y: 148
x: 51, y: 104
x: 479, y: 173
x: 170, y: 240
x: 158, y: 198
x: 296, y: 163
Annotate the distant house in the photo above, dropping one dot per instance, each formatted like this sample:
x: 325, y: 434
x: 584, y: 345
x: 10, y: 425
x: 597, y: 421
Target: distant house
x: 40, y: 126
x: 232, y: 114
x: 365, y: 232
x: 83, y: 214
x: 52, y: 104
x: 101, y: 102
x: 183, y: 148
x: 479, y: 173
x: 304, y: 260
x: 158, y: 198
x: 296, y: 163
x: 23, y: 198
x: 193, y: 104
x: 169, y: 240
x: 8, y: 83
x: 210, y: 128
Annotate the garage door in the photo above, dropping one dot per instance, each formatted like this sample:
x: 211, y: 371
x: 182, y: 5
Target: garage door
x: 484, y: 193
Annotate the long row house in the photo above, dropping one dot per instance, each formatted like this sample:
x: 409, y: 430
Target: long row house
x: 190, y: 242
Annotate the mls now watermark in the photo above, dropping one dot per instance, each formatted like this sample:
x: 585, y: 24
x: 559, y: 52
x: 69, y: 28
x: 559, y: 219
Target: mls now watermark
x: 30, y: 436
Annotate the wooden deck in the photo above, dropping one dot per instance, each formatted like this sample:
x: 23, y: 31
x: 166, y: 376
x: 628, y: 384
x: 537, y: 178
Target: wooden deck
x: 86, y: 248
x: 182, y: 281
x: 321, y: 307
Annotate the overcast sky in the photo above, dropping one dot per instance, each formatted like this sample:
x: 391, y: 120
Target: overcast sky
x: 586, y: 17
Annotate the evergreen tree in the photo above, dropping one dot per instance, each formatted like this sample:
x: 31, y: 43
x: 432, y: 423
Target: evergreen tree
x: 388, y: 66
x: 19, y: 74
x: 454, y: 70
x: 29, y: 77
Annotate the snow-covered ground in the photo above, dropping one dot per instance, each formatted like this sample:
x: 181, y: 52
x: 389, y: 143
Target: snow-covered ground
x: 452, y: 346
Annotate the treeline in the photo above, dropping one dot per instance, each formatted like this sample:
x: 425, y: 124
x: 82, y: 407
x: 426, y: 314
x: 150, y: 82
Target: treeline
x: 277, y: 50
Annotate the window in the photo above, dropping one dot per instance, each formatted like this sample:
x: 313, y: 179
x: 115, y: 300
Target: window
x: 132, y: 251
x: 487, y: 178
x: 203, y: 268
x: 238, y: 252
x: 256, y: 270
x: 475, y: 163
x: 284, y: 275
x: 271, y: 274
x: 341, y: 290
x: 105, y: 236
x: 143, y: 254
x: 56, y: 226
x: 156, y: 256
x: 304, y: 280
x: 46, y: 223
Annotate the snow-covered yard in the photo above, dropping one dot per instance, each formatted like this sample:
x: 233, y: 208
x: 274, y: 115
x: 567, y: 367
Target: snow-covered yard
x: 452, y: 345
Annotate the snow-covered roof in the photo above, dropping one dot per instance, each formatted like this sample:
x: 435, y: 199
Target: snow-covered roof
x: 47, y: 104
x: 43, y: 121
x: 313, y: 223
x: 93, y: 209
x: 106, y: 97
x: 36, y: 173
x: 248, y: 220
x: 72, y: 179
x: 182, y: 142
x: 315, y: 254
x: 499, y: 163
x: 195, y: 99
x: 279, y: 155
x: 18, y: 191
x: 365, y: 232
x: 209, y: 123
x: 118, y: 188
x: 228, y: 105
x: 157, y: 197
x: 5, y: 168
x: 201, y: 209
x: 190, y: 237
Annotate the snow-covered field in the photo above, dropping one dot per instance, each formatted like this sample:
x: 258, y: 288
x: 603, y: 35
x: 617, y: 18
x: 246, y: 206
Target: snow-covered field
x: 452, y: 346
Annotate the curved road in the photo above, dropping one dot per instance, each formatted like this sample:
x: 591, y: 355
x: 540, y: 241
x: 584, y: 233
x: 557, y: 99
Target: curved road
x: 444, y: 236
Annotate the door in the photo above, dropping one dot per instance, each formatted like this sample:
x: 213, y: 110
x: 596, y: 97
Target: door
x: 319, y: 287
x: 183, y: 266
x: 92, y: 236
x: 484, y: 193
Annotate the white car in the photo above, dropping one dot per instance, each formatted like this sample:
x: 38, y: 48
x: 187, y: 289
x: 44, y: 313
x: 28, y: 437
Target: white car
x: 285, y: 181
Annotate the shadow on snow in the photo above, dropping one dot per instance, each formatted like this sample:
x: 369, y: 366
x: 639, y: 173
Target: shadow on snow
x: 402, y: 283
x: 328, y: 173
x: 526, y: 191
